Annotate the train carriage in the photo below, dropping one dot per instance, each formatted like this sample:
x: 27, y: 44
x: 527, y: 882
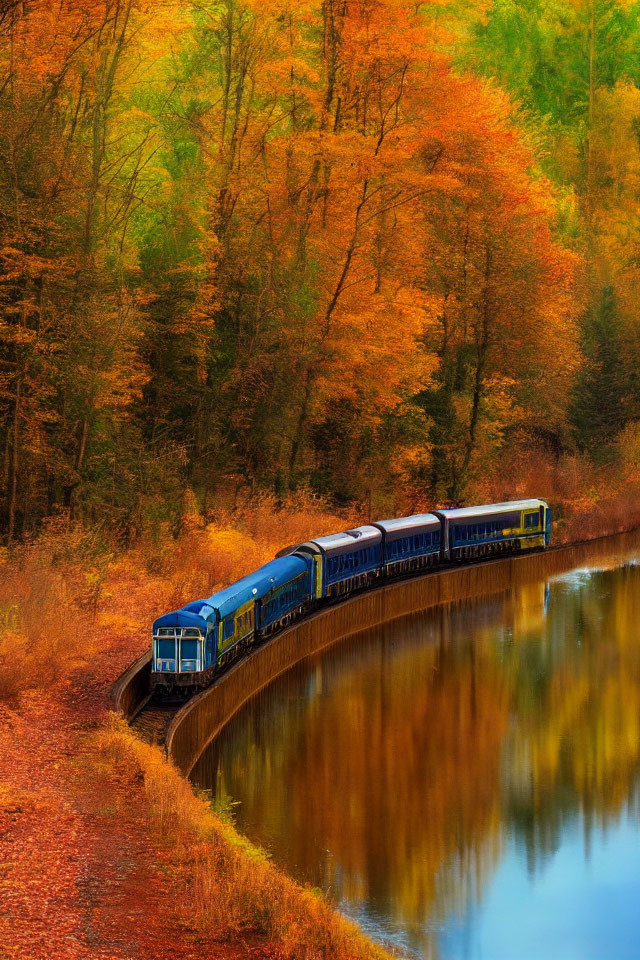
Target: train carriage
x: 474, y: 532
x: 410, y: 543
x: 287, y: 594
x: 349, y: 560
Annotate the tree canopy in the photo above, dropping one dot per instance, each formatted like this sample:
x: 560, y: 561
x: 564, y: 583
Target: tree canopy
x: 353, y: 247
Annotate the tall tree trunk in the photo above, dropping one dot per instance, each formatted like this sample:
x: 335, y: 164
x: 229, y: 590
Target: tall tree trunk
x: 592, y: 59
x: 482, y: 347
x: 15, y: 462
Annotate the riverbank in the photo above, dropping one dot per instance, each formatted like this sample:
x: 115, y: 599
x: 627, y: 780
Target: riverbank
x: 107, y: 852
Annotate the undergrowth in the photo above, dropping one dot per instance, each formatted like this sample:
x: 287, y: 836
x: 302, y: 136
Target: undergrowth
x: 228, y: 885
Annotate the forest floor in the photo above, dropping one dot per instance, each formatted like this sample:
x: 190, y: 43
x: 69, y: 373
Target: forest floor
x: 105, y: 851
x: 84, y: 874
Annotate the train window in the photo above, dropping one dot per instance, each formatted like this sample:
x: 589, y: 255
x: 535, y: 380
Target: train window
x: 228, y: 628
x: 166, y: 649
x: 189, y: 649
x: 530, y: 520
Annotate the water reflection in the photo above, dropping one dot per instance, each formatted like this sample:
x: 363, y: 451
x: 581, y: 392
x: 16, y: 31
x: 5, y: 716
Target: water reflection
x: 461, y: 781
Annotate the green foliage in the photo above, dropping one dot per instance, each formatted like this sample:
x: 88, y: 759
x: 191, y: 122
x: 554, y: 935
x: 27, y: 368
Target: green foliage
x: 600, y: 402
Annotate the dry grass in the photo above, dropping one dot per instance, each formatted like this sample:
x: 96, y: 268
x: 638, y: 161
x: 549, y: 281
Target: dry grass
x: 587, y: 501
x: 49, y: 590
x: 229, y: 886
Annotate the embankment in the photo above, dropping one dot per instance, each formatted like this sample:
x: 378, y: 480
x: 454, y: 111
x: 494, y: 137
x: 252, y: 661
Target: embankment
x: 202, y: 718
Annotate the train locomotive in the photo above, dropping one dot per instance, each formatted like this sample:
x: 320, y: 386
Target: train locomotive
x: 191, y: 645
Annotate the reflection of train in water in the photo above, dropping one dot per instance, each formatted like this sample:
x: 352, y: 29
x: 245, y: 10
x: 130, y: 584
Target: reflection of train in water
x: 192, y: 644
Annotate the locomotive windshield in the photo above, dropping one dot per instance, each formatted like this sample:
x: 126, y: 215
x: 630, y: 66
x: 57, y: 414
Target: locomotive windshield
x: 189, y: 649
x: 166, y: 649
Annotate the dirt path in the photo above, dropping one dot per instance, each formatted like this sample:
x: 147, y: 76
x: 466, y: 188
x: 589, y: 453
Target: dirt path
x: 81, y: 874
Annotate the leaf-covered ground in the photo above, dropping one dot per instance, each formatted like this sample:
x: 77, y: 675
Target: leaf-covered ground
x: 83, y: 875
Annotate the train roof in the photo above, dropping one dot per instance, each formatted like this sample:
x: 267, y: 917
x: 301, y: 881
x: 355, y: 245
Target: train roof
x: 255, y: 585
x: 336, y: 544
x: 181, y: 618
x: 401, y: 526
x: 491, y: 509
x: 368, y: 533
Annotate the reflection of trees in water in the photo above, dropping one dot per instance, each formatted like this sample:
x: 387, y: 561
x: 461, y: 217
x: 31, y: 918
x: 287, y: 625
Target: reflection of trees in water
x: 576, y: 745
x: 407, y: 754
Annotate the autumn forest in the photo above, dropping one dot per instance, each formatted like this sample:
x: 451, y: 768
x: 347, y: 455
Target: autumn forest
x: 270, y: 269
x: 384, y: 252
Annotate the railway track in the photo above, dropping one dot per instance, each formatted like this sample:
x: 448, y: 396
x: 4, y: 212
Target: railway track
x: 152, y: 719
x: 150, y: 715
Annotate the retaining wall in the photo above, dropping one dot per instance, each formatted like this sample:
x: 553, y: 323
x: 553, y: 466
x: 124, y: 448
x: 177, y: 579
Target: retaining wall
x: 131, y: 690
x: 202, y: 718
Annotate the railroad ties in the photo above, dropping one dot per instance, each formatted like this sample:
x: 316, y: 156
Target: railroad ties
x: 152, y: 720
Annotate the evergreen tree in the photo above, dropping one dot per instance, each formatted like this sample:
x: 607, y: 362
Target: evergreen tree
x: 600, y: 403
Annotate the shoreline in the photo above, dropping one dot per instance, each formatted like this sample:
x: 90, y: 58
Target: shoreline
x: 203, y: 716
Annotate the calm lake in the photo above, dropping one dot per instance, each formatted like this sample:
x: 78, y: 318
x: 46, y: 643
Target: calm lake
x: 464, y: 784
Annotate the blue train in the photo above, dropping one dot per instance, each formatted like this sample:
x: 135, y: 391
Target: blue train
x: 192, y: 644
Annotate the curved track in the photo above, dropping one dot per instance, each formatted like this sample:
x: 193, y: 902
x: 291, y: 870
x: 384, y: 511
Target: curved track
x: 171, y: 723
